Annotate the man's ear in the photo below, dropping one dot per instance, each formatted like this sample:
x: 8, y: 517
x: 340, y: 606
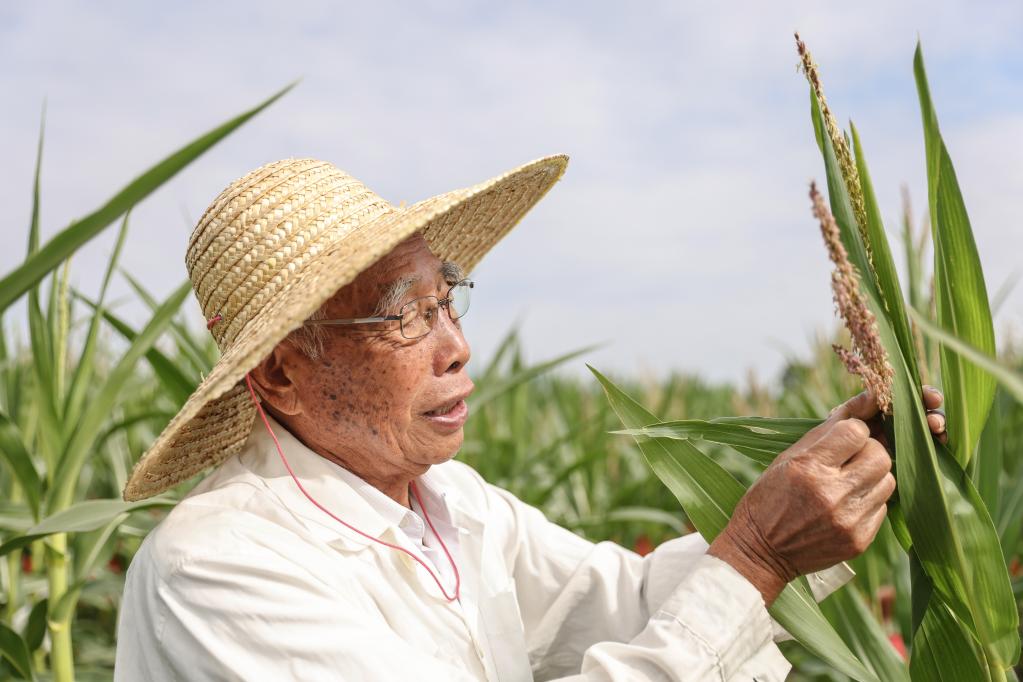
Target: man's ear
x: 272, y: 378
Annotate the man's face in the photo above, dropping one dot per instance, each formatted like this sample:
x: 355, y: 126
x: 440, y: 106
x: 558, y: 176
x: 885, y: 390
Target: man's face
x: 373, y: 400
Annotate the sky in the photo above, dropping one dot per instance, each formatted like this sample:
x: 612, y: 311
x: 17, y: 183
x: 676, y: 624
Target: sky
x: 680, y: 237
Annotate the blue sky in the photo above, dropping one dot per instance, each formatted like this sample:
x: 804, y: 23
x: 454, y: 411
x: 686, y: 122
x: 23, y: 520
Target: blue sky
x: 681, y: 234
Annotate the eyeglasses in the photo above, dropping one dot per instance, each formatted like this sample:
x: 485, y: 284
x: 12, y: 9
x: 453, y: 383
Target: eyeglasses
x: 418, y: 316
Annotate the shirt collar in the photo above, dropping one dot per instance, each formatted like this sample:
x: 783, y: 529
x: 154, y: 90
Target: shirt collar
x: 342, y: 492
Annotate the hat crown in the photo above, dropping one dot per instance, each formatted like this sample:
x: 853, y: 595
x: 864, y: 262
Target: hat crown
x: 262, y: 230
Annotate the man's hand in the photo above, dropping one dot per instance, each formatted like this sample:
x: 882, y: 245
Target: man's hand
x: 820, y: 502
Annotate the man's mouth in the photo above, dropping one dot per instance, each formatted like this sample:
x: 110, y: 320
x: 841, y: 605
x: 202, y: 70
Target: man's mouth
x: 444, y: 409
x: 450, y: 415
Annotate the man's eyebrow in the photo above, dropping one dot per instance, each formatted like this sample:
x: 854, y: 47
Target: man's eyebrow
x: 393, y: 294
x: 452, y: 272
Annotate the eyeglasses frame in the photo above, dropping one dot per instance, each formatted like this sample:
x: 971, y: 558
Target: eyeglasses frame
x: 441, y: 303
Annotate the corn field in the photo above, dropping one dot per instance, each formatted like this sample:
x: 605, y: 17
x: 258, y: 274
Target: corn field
x: 936, y: 597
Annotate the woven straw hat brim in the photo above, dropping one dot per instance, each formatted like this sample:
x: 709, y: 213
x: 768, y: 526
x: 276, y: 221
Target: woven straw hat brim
x: 459, y: 226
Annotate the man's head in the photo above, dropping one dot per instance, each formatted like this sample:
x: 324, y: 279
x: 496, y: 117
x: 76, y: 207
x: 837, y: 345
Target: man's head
x: 360, y: 395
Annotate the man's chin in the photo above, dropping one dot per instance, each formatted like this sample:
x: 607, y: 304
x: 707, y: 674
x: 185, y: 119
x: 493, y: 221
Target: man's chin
x: 445, y: 449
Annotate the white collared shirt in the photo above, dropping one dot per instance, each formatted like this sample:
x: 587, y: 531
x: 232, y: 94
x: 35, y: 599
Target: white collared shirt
x: 247, y: 580
x: 410, y: 521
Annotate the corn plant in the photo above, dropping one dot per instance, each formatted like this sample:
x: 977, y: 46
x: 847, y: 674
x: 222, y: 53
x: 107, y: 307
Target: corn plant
x: 57, y: 409
x: 962, y: 616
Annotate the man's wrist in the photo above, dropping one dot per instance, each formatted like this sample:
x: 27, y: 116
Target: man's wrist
x: 767, y: 581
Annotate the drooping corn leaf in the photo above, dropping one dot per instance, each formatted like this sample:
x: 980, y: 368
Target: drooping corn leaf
x: 960, y: 292
x: 1010, y: 379
x: 82, y: 517
x: 63, y: 244
x: 708, y: 495
x: 848, y: 611
x: 759, y: 438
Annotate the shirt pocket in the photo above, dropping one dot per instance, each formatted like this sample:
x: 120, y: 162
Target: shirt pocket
x: 505, y: 635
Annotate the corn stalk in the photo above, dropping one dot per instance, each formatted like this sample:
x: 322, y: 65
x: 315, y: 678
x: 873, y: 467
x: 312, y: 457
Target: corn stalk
x: 963, y: 617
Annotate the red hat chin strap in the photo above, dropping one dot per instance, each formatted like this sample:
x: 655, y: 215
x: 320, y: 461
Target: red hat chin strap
x: 412, y: 485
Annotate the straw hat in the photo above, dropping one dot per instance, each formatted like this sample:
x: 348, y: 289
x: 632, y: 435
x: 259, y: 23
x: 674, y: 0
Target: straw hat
x: 273, y: 247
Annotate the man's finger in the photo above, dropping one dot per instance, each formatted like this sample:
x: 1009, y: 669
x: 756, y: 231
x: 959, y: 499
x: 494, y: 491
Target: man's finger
x: 936, y: 421
x: 932, y: 398
x: 842, y: 441
x: 862, y: 406
x: 880, y: 493
x: 868, y: 466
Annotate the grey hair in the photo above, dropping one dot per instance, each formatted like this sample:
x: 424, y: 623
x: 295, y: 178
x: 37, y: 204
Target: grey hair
x: 309, y: 338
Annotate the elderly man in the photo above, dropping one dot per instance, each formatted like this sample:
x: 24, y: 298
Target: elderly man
x: 338, y: 540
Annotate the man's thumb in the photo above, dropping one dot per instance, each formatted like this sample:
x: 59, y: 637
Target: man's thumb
x: 861, y: 406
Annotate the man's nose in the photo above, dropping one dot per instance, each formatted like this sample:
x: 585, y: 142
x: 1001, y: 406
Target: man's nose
x: 452, y: 350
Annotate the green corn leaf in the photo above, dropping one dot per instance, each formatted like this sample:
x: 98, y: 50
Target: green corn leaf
x: 1010, y: 521
x: 841, y: 207
x: 884, y: 263
x: 159, y: 417
x: 492, y: 390
x: 177, y: 384
x: 960, y: 292
x: 82, y: 517
x: 186, y: 343
x: 16, y: 454
x: 759, y: 438
x: 13, y: 648
x: 953, y: 534
x: 98, y: 410
x: 708, y: 495
x: 942, y: 649
x: 62, y: 245
x: 951, y: 530
x: 90, y: 546
x: 1010, y: 379
x: 35, y: 627
x: 848, y: 612
x: 83, y: 372
x: 987, y: 469
x: 39, y: 335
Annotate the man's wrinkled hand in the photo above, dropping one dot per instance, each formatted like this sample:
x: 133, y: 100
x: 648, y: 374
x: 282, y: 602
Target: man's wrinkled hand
x: 820, y: 502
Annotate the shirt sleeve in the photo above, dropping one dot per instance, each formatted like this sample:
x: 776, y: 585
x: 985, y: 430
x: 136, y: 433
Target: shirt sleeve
x: 238, y: 616
x: 601, y: 612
